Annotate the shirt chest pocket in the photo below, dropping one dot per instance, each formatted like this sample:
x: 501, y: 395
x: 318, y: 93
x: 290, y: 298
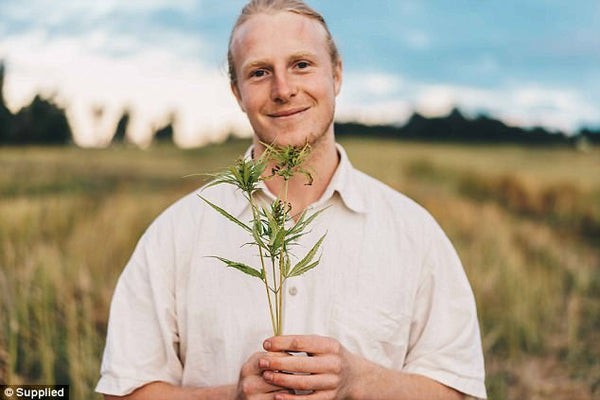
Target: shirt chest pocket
x: 372, y: 332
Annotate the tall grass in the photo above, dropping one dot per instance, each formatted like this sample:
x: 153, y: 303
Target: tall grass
x: 523, y: 222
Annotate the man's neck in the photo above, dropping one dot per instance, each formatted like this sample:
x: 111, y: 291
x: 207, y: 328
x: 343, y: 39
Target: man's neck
x: 321, y: 164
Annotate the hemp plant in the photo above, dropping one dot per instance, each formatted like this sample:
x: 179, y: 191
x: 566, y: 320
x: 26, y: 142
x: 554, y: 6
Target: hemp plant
x: 272, y: 230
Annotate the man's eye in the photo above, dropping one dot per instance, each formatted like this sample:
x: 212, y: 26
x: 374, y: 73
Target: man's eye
x: 303, y: 65
x: 258, y: 74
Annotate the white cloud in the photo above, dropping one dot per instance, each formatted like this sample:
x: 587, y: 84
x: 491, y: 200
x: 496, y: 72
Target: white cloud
x: 364, y: 99
x: 154, y: 77
x: 433, y: 100
x: 372, y: 98
x: 523, y: 104
x: 56, y: 11
x: 371, y: 84
x: 152, y: 82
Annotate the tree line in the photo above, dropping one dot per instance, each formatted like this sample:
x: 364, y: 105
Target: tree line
x: 43, y: 122
x: 455, y: 127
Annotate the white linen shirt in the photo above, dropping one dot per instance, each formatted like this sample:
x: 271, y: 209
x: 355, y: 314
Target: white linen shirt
x: 389, y: 287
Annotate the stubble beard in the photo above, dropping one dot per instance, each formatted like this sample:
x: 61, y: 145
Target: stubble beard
x: 314, y: 139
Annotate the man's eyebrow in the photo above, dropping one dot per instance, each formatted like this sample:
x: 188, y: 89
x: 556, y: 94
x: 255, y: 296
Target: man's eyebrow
x: 254, y: 64
x: 259, y: 63
x: 301, y: 55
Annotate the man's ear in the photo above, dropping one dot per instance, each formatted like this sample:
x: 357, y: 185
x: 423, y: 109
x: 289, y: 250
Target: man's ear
x: 236, y: 92
x: 337, y: 77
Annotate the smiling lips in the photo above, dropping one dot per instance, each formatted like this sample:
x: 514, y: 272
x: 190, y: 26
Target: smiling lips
x: 288, y: 113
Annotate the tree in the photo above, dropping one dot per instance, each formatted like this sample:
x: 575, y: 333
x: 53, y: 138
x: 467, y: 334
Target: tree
x: 165, y: 134
x: 5, y: 114
x: 41, y: 122
x: 120, y: 135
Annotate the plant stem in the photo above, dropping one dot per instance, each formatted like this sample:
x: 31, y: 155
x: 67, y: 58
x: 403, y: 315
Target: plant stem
x: 277, y: 288
x: 282, y: 257
x: 262, y: 265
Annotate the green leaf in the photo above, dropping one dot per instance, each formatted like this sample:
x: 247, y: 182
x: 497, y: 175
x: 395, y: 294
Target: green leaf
x: 298, y: 225
x: 258, y: 240
x: 302, y: 223
x: 314, y: 215
x: 271, y: 219
x: 304, y: 264
x: 290, y: 240
x: 258, y: 226
x: 241, y: 267
x: 286, y: 266
x: 300, y: 271
x: 277, y: 239
x: 236, y: 174
x: 246, y: 172
x: 216, y: 181
x: 227, y: 215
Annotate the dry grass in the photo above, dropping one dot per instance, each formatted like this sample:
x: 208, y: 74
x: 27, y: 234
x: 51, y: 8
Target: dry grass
x: 523, y: 220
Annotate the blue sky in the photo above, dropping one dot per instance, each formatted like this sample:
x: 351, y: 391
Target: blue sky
x: 528, y: 62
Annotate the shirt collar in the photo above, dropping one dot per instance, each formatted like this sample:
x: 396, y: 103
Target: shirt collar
x: 344, y: 182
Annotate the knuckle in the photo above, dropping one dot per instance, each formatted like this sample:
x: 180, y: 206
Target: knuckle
x: 303, y: 384
x: 246, y: 369
x: 246, y: 387
x: 296, y: 343
x: 279, y: 379
x: 336, y: 381
x: 336, y: 366
x: 336, y: 347
x: 274, y: 364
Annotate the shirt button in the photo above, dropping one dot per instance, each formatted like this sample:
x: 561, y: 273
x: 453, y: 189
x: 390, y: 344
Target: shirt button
x: 293, y: 291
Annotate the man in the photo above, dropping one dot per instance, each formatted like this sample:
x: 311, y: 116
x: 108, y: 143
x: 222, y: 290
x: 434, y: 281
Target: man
x: 387, y: 314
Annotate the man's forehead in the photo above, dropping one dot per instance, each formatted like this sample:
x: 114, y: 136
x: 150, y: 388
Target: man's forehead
x: 276, y: 25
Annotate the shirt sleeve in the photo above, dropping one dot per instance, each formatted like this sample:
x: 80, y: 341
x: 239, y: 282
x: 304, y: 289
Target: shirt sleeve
x: 445, y: 342
x: 142, y: 342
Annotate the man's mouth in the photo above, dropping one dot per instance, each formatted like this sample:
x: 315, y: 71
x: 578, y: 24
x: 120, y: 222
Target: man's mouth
x: 288, y: 113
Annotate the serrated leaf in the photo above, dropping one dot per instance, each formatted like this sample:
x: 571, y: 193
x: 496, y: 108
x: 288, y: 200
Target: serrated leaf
x: 304, y: 269
x: 258, y: 240
x: 292, y: 240
x: 226, y: 214
x: 246, y: 172
x: 277, y: 239
x: 302, y: 223
x: 241, y: 267
x: 314, y: 215
x: 302, y: 265
x: 271, y: 220
x: 286, y: 266
x: 298, y: 225
x: 217, y: 181
x: 258, y: 226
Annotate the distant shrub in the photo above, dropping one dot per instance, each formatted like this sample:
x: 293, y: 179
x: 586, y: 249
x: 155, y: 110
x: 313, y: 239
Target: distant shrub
x: 41, y: 122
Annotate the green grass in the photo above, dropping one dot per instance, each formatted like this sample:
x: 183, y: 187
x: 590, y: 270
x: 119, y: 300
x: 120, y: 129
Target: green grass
x: 524, y: 221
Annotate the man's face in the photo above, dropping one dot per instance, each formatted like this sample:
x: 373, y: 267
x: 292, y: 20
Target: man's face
x: 286, y: 81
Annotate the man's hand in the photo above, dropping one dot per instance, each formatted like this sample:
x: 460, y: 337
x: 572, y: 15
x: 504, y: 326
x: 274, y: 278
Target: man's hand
x: 330, y: 371
x: 333, y: 372
x: 251, y: 384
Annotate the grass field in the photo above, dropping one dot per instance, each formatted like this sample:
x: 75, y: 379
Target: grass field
x: 525, y: 221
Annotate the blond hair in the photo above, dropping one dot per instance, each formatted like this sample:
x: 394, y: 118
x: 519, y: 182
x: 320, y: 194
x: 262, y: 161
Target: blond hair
x: 254, y: 7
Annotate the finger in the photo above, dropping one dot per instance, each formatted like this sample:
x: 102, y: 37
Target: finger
x: 302, y: 382
x: 270, y: 396
x: 310, y: 365
x: 307, y: 343
x: 251, y: 367
x: 257, y: 385
x: 320, y: 395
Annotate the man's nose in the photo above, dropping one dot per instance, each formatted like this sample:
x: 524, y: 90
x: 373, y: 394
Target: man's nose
x: 283, y: 88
